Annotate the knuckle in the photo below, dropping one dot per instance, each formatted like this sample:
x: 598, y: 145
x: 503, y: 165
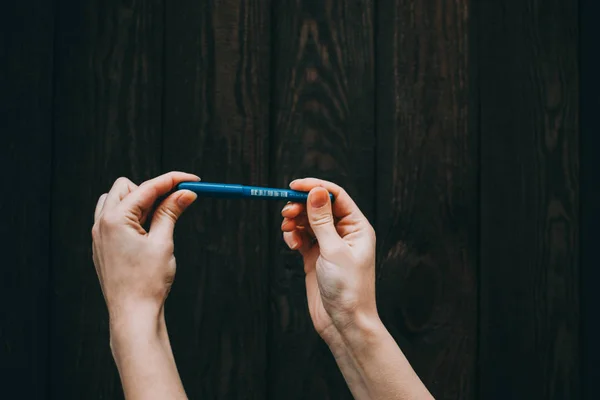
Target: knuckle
x: 163, y: 246
x: 109, y: 220
x: 150, y: 190
x: 122, y: 179
x: 321, y: 219
x: 171, y: 177
x: 169, y: 212
x: 95, y: 232
x: 371, y: 232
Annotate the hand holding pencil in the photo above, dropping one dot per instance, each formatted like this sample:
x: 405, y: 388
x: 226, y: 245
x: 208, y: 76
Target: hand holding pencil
x: 320, y: 220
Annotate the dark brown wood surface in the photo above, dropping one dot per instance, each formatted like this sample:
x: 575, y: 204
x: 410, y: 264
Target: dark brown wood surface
x: 26, y: 43
x: 427, y: 191
x: 107, y: 124
x: 453, y: 124
x: 323, y: 126
x: 217, y: 125
x: 529, y: 296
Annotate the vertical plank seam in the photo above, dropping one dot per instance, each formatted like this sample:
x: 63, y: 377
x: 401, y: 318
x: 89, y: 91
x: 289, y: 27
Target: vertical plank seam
x: 163, y: 96
x: 477, y: 132
x: 580, y: 213
x: 375, y: 81
x: 582, y: 173
x: 586, y: 359
x: 587, y: 101
x: 50, y: 271
x: 271, y: 236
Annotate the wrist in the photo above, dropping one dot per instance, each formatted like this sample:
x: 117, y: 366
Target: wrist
x: 142, y: 353
x: 372, y: 363
x: 361, y: 331
x: 131, y: 325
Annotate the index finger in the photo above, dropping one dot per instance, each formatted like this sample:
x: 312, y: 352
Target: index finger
x: 342, y: 207
x: 144, y: 197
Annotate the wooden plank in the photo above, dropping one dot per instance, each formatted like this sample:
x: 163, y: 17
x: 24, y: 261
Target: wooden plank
x: 323, y: 126
x: 216, y: 125
x: 427, y: 191
x: 108, y: 124
x: 589, y: 196
x: 529, y: 296
x: 26, y: 41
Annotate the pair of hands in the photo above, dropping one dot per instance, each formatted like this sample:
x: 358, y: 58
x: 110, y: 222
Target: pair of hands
x: 136, y: 267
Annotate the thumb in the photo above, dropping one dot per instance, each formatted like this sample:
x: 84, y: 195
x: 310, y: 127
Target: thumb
x: 320, y: 218
x: 167, y: 213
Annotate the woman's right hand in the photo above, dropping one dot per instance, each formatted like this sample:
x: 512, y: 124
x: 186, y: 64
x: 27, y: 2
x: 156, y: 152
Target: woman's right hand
x: 337, y: 244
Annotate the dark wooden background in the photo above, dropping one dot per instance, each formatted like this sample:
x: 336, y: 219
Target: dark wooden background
x: 453, y: 123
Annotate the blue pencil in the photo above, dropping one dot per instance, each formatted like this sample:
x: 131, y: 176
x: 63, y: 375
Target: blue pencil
x: 228, y: 191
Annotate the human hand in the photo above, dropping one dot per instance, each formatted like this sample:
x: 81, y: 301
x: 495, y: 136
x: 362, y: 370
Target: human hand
x: 338, y: 247
x: 136, y: 267
x: 337, y: 244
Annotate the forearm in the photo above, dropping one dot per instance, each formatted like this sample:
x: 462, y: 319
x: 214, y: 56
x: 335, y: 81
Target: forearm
x: 373, y: 365
x: 143, y: 355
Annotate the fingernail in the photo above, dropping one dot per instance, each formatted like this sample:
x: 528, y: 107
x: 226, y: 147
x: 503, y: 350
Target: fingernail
x: 294, y: 181
x: 287, y: 207
x: 294, y: 245
x: 318, y: 198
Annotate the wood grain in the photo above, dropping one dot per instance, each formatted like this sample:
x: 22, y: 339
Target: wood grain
x: 108, y: 120
x: 323, y: 126
x: 217, y: 126
x: 528, y: 80
x: 427, y: 191
x: 453, y: 124
x: 26, y: 41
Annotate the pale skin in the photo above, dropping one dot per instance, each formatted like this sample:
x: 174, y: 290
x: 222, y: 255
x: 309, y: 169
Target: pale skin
x: 136, y: 267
